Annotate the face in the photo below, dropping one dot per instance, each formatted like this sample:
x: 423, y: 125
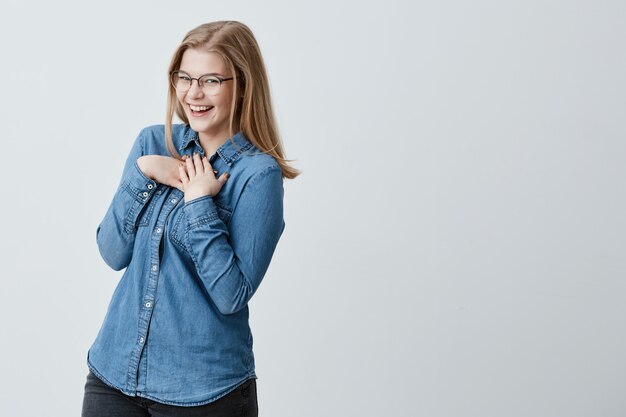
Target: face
x: 211, y: 124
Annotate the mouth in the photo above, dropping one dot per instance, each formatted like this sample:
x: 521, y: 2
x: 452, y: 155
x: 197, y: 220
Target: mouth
x: 199, y: 111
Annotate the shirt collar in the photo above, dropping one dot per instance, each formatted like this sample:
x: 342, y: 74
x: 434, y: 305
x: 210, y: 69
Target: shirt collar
x: 228, y: 151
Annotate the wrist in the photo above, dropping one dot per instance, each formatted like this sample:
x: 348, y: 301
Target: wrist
x: 193, y: 196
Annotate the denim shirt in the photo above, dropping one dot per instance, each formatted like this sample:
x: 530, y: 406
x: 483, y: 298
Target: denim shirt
x: 176, y: 330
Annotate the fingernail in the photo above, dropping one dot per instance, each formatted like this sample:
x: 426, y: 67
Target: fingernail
x: 227, y: 175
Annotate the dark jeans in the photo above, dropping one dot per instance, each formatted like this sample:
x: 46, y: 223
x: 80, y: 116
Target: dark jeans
x: 100, y: 400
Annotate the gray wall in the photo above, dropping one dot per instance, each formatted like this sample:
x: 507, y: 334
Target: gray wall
x: 454, y: 247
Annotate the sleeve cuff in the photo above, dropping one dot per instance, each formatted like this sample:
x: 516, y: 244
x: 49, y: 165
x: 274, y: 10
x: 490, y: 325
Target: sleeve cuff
x: 138, y: 185
x: 139, y: 188
x: 200, y: 210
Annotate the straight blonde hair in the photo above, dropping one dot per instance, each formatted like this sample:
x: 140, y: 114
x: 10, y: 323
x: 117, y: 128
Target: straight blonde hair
x: 251, y: 110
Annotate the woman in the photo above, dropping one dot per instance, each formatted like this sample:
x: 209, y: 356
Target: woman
x: 195, y: 222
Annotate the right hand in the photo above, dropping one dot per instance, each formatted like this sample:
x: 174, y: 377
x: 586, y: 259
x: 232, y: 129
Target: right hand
x: 162, y: 169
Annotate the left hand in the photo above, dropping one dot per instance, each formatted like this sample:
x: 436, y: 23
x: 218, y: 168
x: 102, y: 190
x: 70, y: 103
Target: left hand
x: 198, y: 178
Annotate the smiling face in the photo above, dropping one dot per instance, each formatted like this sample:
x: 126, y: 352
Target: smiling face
x: 212, y: 119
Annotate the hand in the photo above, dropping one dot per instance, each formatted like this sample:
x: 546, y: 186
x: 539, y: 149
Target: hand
x: 199, y: 179
x: 162, y: 169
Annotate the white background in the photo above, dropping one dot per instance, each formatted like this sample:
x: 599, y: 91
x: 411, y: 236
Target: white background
x: 454, y: 246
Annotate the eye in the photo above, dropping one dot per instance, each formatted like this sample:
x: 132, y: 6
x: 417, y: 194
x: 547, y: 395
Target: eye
x: 184, y: 77
x: 210, y: 81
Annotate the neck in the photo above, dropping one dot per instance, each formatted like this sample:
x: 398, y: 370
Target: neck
x: 210, y: 143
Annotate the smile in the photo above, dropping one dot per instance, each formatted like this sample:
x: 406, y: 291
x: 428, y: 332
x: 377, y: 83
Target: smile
x: 199, y: 111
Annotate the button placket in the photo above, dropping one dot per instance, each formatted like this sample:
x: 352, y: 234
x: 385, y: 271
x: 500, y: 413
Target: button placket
x: 148, y: 305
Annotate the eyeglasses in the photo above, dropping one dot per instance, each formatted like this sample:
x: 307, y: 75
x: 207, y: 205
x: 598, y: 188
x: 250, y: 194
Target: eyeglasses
x: 210, y: 84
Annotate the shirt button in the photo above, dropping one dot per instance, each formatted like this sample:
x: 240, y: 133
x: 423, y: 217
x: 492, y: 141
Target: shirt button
x: 154, y: 267
x: 158, y: 230
x: 148, y: 304
x: 141, y: 340
x: 149, y: 186
x: 145, y: 194
x: 174, y: 201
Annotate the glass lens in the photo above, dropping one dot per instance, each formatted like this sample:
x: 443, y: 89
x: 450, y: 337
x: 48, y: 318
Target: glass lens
x: 181, y: 81
x: 210, y: 84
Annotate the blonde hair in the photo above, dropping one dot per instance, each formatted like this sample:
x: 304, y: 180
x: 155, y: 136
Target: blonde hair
x: 251, y: 110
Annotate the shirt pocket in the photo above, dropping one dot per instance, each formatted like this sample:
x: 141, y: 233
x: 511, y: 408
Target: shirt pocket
x: 179, y: 222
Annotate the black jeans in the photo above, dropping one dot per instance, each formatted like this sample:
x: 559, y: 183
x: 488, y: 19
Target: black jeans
x: 100, y: 400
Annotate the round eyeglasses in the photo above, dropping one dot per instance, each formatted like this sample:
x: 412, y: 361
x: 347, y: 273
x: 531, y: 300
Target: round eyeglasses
x: 210, y: 84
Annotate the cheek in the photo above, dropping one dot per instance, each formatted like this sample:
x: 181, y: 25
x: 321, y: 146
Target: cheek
x: 225, y: 104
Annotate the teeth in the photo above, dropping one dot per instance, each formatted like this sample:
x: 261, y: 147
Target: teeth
x: 199, y: 108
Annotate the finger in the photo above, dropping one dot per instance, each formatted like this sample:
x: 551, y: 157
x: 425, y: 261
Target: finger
x: 198, y: 163
x: 223, y: 178
x: 183, y: 175
x: 179, y: 185
x: 207, y: 165
x: 191, y: 171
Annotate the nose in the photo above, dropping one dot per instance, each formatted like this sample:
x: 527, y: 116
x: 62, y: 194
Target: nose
x: 194, y: 91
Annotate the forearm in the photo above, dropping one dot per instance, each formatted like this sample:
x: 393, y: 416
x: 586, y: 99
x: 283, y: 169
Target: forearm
x: 231, y: 262
x: 116, y: 233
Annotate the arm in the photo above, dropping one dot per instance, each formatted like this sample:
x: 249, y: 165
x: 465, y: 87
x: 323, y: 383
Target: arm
x: 232, y: 264
x: 116, y: 233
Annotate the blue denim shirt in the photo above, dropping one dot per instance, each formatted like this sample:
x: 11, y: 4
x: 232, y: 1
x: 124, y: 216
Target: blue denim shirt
x: 176, y: 330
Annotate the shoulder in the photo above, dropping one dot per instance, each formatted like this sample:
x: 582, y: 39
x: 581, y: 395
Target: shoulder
x: 256, y: 161
x: 152, y: 137
x: 255, y: 164
x: 151, y: 131
x: 158, y: 130
x: 150, y: 134
x: 252, y: 157
x: 245, y: 159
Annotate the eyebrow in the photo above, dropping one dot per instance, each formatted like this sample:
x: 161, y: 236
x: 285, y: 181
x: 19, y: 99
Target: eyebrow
x: 211, y: 73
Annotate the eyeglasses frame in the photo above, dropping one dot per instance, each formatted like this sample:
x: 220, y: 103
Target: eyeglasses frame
x: 220, y: 79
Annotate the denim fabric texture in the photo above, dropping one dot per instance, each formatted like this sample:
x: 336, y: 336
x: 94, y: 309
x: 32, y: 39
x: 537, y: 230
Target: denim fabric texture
x: 176, y: 330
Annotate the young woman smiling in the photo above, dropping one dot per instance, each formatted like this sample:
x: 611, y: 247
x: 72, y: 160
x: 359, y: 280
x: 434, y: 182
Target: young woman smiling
x: 195, y: 221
